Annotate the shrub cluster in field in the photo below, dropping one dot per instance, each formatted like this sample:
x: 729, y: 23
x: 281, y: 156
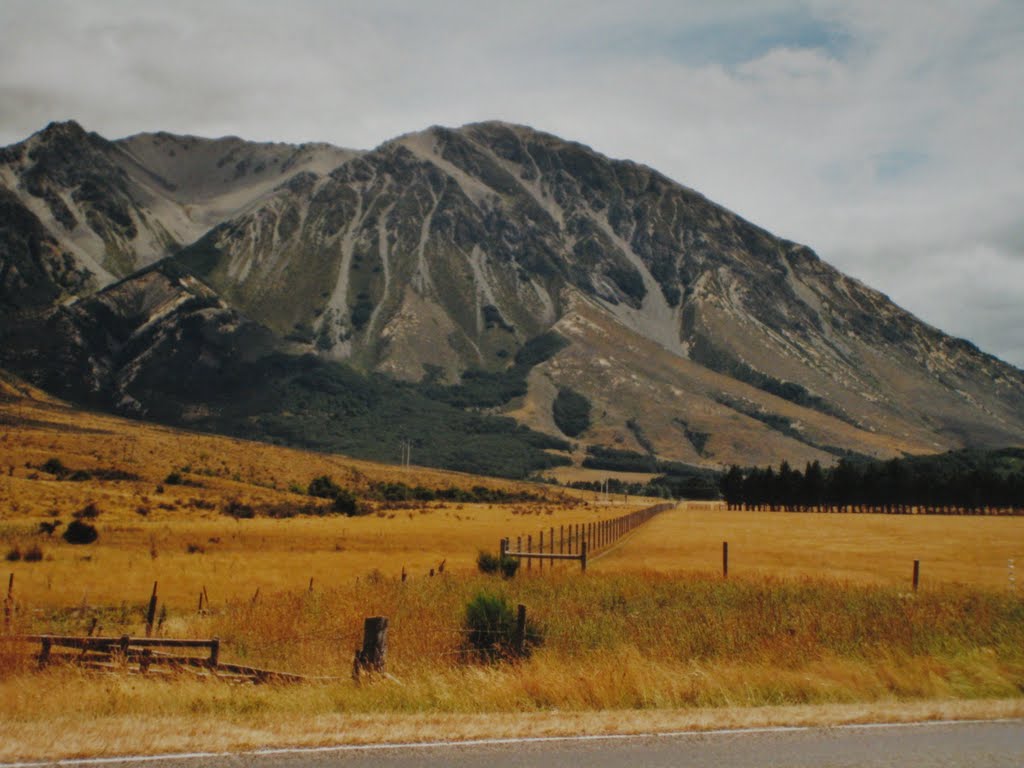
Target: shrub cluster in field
x: 346, y: 502
x: 487, y: 562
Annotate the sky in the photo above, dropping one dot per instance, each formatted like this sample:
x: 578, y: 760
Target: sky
x: 887, y: 136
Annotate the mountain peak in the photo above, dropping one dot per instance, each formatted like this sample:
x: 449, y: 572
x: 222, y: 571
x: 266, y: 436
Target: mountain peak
x: 443, y: 254
x: 62, y: 129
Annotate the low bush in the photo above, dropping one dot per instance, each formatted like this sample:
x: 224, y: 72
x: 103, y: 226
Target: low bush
x: 508, y: 566
x: 490, y: 624
x: 54, y: 466
x: 33, y: 554
x: 78, y: 532
x: 486, y: 562
x: 89, y: 512
x: 236, y: 509
x: 323, y: 487
x: 346, y: 503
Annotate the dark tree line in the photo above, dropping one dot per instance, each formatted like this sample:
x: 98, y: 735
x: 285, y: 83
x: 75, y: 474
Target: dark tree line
x: 959, y: 482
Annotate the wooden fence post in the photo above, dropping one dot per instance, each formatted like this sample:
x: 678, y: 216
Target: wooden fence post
x: 151, y: 613
x: 540, y: 563
x: 9, y: 604
x: 917, y: 573
x: 583, y: 556
x: 44, y: 651
x: 529, y: 551
x: 725, y: 559
x: 375, y: 646
x: 551, y: 560
x: 519, y: 637
x: 214, y: 653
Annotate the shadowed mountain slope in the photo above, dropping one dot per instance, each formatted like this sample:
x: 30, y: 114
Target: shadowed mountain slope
x: 435, y: 258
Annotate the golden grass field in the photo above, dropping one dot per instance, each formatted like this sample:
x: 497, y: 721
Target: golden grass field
x: 815, y: 623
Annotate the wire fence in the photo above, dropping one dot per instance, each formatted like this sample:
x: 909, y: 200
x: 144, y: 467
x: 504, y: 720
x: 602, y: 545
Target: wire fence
x: 579, y: 541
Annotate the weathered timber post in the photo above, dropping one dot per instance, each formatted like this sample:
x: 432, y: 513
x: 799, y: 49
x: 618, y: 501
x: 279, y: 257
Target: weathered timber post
x: 9, y: 604
x: 123, y: 647
x: 529, y: 551
x: 551, y: 560
x: 151, y: 613
x: 519, y: 636
x: 44, y: 651
x: 214, y: 653
x: 540, y: 563
x: 725, y: 559
x: 561, y: 539
x: 372, y: 656
x: 917, y: 573
x: 583, y: 556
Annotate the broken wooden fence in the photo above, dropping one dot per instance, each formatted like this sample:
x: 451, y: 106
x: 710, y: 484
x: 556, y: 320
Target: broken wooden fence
x: 142, y: 653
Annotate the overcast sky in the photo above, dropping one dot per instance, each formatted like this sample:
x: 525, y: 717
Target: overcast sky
x: 888, y: 136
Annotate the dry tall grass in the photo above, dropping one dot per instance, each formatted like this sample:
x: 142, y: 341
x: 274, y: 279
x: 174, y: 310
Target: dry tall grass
x: 610, y: 642
x: 817, y: 610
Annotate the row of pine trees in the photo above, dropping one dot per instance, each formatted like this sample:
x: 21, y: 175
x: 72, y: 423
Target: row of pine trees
x: 898, y: 486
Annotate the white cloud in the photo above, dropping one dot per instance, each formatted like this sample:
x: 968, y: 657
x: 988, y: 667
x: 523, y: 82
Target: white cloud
x: 885, y: 135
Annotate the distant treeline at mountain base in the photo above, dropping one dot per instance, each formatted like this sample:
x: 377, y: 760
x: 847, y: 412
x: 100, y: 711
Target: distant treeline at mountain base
x: 959, y: 482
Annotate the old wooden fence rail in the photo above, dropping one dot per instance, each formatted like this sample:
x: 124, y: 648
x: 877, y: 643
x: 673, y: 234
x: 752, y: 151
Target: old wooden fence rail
x: 577, y: 541
x: 142, y: 653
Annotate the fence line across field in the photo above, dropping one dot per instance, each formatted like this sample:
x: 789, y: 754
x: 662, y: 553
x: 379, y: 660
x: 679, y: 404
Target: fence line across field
x: 582, y: 540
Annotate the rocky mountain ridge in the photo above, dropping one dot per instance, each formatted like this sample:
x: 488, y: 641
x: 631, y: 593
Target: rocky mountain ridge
x: 694, y: 334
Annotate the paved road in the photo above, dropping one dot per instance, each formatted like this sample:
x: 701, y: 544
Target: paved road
x: 998, y: 744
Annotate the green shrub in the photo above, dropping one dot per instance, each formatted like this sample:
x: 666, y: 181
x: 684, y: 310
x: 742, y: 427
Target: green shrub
x: 487, y: 562
x: 490, y: 625
x: 55, y: 466
x: 13, y: 555
x: 78, y: 532
x: 508, y: 566
x: 346, y: 503
x: 174, y: 478
x: 323, y: 487
x: 236, y: 509
x: 89, y: 512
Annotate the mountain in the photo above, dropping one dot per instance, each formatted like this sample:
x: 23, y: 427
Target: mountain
x: 436, y: 266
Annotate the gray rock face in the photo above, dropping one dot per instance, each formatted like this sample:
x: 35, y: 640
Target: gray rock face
x: 695, y: 334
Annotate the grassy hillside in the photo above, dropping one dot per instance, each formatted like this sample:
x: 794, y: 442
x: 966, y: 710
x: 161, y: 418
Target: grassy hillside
x: 817, y: 609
